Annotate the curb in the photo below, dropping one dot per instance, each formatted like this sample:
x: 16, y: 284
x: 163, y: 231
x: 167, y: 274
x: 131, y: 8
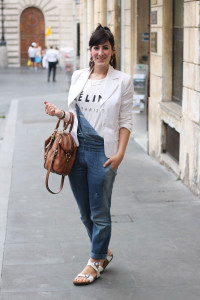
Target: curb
x: 6, y: 163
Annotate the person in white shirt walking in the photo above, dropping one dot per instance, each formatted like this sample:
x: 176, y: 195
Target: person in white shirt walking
x: 52, y: 57
x: 31, y: 53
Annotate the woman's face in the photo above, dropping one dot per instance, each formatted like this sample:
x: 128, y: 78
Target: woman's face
x: 101, y: 54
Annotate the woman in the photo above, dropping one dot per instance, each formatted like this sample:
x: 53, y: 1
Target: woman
x: 38, y: 55
x: 31, y: 54
x: 101, y: 100
x: 44, y: 58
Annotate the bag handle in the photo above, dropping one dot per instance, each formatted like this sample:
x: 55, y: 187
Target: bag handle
x: 70, y: 122
x: 47, y: 183
x: 65, y: 125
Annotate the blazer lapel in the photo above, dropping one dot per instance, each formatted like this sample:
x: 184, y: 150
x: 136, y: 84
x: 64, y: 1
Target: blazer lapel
x: 110, y: 85
x: 78, y: 86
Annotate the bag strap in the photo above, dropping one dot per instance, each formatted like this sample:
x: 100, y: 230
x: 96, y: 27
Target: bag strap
x: 48, y: 172
x: 70, y: 122
x: 61, y: 183
x: 65, y: 125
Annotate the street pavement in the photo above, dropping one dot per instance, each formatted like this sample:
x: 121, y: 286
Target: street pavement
x: 43, y: 245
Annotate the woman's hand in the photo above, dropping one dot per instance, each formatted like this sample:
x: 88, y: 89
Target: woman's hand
x: 114, y: 161
x: 52, y: 110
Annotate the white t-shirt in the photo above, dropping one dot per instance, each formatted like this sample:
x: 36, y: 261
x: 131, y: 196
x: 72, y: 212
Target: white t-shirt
x: 31, y: 51
x: 89, y: 103
x: 52, y: 55
x: 38, y: 52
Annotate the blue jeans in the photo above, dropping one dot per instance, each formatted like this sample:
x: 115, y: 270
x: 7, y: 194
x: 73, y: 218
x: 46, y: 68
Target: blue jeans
x: 92, y: 185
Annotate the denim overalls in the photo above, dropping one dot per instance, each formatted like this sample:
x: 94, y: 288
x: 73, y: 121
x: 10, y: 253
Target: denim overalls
x: 92, y: 185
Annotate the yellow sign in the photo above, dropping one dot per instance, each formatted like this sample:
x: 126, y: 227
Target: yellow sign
x: 153, y: 2
x: 48, y: 31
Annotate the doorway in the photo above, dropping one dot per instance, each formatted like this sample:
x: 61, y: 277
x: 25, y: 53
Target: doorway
x: 32, y: 29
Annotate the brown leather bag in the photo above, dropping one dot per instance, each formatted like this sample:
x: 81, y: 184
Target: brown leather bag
x: 60, y: 152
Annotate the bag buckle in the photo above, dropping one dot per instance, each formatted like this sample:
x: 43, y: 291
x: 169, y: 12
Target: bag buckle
x: 68, y: 156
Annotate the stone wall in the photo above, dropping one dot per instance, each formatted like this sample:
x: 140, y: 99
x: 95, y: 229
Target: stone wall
x: 190, y: 135
x: 122, y: 18
x: 108, y: 13
x: 184, y: 119
x: 57, y: 14
x: 130, y: 36
x: 156, y: 83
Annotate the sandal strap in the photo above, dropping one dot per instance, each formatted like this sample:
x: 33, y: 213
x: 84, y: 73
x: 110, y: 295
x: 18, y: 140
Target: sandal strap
x: 109, y: 257
x: 106, y: 262
x: 95, y: 266
x: 90, y: 278
x: 101, y: 269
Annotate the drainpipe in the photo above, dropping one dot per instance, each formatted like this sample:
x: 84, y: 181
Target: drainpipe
x: 3, y: 49
x: 3, y: 42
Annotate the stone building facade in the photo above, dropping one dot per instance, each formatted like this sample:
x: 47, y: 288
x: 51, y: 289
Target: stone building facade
x: 127, y: 20
x: 27, y: 20
x: 174, y: 103
x: 173, y: 56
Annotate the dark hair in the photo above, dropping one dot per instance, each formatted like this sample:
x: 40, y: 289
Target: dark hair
x: 100, y: 36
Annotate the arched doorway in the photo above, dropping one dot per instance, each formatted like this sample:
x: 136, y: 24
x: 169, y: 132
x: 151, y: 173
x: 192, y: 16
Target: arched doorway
x: 32, y: 29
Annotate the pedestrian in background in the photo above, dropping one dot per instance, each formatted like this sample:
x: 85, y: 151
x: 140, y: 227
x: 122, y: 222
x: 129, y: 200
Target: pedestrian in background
x: 101, y: 100
x: 58, y: 61
x: 38, y: 56
x: 31, y: 54
x: 52, y: 58
x: 44, y: 58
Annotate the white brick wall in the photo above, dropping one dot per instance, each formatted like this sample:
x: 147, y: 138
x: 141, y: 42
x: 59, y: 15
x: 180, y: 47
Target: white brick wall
x: 57, y: 14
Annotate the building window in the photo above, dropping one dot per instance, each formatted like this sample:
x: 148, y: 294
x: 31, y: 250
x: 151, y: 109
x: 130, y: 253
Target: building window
x: 177, y: 80
x: 171, y: 141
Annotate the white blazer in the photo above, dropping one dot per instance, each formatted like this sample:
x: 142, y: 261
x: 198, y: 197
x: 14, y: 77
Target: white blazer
x: 116, y: 105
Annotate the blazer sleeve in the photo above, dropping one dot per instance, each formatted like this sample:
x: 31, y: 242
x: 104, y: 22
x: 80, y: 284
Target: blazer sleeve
x: 125, y: 118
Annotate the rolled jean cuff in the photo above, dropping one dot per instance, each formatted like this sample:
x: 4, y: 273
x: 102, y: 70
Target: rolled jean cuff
x: 98, y: 256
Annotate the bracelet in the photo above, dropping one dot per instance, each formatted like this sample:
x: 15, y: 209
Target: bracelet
x: 62, y: 116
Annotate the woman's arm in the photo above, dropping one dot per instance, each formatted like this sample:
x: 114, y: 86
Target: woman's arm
x: 115, y: 160
x: 53, y: 110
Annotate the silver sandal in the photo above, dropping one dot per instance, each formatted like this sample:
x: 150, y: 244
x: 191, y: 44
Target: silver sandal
x: 95, y: 266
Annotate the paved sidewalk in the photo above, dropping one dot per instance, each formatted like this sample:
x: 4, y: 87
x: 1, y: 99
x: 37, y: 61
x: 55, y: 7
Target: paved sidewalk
x: 156, y: 221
